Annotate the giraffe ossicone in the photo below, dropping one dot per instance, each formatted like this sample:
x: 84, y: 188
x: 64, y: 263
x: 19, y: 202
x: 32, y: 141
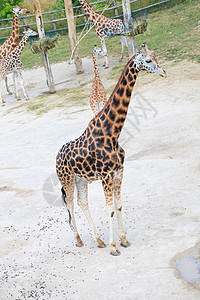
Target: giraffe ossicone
x: 96, y: 154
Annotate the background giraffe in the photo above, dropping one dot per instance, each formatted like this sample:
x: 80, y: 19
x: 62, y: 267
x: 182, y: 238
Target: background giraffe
x: 97, y: 94
x: 104, y: 27
x: 96, y: 154
x: 12, y: 63
x: 12, y: 40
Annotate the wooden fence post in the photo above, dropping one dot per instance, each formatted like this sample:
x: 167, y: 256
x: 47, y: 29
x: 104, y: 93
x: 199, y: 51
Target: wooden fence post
x: 53, y: 19
x: 72, y: 36
x: 132, y: 47
x: 45, y: 58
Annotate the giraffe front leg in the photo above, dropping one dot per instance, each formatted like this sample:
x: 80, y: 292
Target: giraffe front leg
x: 103, y: 44
x: 1, y: 98
x: 68, y: 199
x: 107, y: 183
x: 22, y: 84
x: 82, y: 195
x: 118, y: 207
x: 15, y: 85
x: 7, y: 88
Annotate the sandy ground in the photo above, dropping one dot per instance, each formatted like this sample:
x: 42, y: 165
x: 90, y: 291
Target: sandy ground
x: 161, y: 190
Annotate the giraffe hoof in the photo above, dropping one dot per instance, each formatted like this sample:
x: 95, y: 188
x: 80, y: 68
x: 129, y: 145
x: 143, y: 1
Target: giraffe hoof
x: 27, y: 99
x: 18, y: 99
x: 79, y: 242
x: 100, y: 244
x: 115, y: 252
x: 106, y: 67
x: 125, y: 244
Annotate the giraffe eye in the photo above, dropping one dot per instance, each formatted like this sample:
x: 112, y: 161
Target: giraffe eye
x: 148, y: 61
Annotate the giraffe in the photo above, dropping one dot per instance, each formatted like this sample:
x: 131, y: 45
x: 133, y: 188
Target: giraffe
x: 97, y: 94
x: 104, y: 27
x: 12, y: 40
x: 96, y: 154
x: 12, y: 63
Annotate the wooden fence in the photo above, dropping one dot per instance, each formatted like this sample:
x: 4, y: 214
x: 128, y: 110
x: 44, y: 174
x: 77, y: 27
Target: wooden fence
x: 55, y: 21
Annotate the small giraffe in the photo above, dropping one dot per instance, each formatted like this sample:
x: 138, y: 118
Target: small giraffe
x: 11, y: 63
x: 96, y: 154
x: 105, y: 27
x: 12, y: 40
x: 97, y: 94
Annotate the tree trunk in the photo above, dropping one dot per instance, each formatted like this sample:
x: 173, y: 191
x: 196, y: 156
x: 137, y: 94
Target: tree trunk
x: 132, y: 47
x: 72, y: 36
x: 45, y: 58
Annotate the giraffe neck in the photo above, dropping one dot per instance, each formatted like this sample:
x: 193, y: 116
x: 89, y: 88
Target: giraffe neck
x: 90, y: 12
x: 20, y: 46
x: 15, y: 31
x: 12, y: 40
x: 96, y: 70
x: 115, y: 111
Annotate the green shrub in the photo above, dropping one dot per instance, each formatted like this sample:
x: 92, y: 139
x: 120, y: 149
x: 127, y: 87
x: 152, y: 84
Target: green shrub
x: 6, y: 8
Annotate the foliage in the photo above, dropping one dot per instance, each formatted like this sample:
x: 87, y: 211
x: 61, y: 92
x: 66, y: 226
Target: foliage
x: 6, y: 7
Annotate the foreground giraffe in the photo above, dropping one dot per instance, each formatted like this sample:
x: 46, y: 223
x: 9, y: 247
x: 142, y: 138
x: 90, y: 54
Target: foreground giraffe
x: 105, y: 27
x: 96, y: 154
x: 11, y: 63
x: 12, y: 40
x: 97, y: 94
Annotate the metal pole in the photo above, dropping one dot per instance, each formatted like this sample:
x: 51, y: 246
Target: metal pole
x: 132, y: 47
x: 45, y: 58
x: 72, y: 36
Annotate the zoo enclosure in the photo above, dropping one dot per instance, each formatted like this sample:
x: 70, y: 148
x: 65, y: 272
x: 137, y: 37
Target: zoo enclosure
x: 62, y: 18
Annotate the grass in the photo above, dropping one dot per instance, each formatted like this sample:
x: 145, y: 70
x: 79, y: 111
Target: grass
x: 67, y: 98
x: 173, y: 33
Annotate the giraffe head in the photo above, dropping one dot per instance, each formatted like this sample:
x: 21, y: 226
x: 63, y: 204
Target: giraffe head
x: 146, y: 60
x: 97, y: 51
x: 30, y: 32
x: 18, y: 10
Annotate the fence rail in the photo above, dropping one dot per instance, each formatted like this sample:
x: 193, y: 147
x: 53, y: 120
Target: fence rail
x: 54, y: 21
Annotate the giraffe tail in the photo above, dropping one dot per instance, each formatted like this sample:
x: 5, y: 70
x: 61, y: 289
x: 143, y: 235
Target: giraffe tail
x: 65, y: 204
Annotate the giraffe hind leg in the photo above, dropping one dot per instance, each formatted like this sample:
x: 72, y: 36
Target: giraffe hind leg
x: 123, y: 43
x: 68, y: 199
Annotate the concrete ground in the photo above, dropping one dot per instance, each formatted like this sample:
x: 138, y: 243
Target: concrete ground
x: 161, y: 191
